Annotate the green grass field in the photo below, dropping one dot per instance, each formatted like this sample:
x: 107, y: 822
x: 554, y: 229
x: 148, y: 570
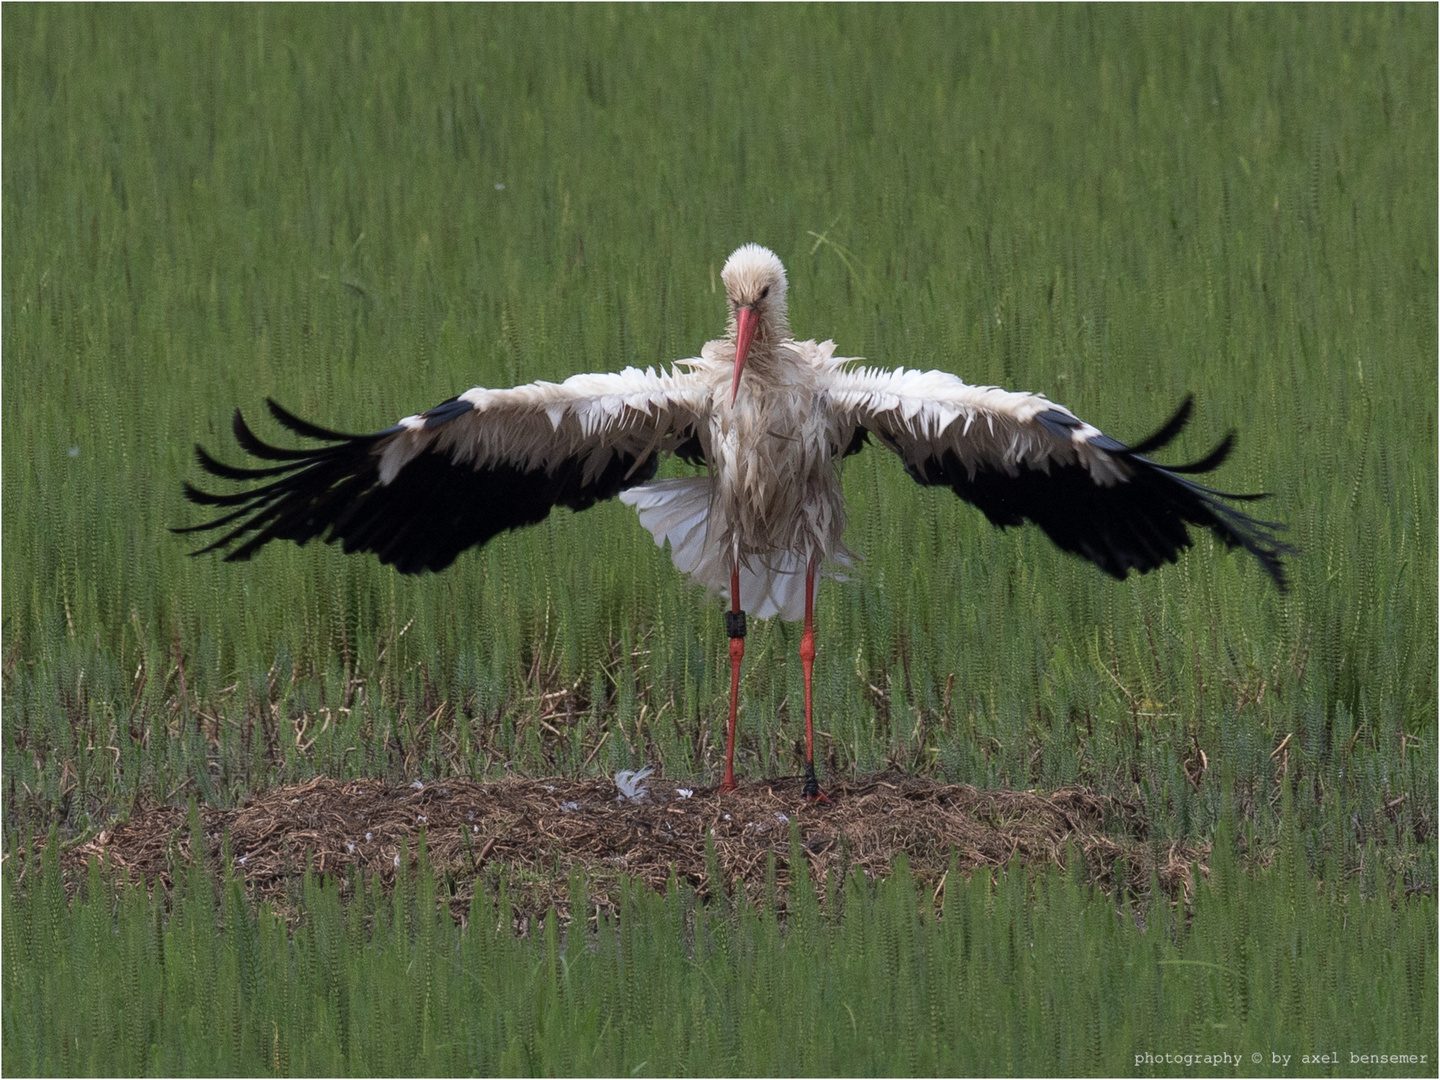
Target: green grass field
x: 363, y: 211
x: 1018, y: 976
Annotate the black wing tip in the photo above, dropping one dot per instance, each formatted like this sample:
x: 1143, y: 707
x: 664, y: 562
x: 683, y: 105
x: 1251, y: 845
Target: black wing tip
x: 1140, y: 524
x: 201, y: 497
x: 304, y: 428
x: 1233, y: 527
x: 255, y: 446
x: 434, y: 511
x: 1211, y: 461
x: 1238, y: 529
x: 1167, y: 431
x: 254, y: 503
x: 218, y: 468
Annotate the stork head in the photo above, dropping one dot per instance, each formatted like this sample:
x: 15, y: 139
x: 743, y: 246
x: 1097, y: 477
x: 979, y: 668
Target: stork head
x: 755, y: 286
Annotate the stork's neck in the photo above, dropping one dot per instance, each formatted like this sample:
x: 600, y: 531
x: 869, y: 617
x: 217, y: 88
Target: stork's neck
x: 768, y: 359
x: 773, y: 328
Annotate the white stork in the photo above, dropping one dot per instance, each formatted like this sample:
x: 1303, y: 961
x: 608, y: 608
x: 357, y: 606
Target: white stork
x: 771, y: 418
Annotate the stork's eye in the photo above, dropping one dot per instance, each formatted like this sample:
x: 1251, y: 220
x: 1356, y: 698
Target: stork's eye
x: 764, y: 292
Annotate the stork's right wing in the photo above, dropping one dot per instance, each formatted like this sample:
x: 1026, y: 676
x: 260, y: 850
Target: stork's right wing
x: 1021, y: 457
x: 424, y: 490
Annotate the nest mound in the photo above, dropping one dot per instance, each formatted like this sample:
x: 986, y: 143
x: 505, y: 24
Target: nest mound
x: 536, y: 833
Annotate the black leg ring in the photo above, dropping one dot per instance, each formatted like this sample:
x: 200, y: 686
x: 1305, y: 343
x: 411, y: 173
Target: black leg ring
x: 811, y: 790
x: 735, y: 624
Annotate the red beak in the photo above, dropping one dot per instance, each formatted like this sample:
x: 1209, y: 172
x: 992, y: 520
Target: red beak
x: 745, y: 323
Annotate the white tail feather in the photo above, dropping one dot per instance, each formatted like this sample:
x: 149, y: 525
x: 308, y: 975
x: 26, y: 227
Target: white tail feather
x: 676, y: 512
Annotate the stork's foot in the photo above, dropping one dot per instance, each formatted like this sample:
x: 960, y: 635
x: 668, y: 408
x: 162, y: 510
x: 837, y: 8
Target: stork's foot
x: 811, y: 791
x: 727, y: 785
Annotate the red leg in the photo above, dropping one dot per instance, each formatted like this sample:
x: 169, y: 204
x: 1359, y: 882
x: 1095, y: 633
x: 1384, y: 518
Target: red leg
x: 737, y: 653
x: 811, y: 789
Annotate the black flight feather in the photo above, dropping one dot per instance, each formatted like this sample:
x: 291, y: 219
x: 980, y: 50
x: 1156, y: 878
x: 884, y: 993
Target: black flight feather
x: 432, y: 510
x: 1138, y: 524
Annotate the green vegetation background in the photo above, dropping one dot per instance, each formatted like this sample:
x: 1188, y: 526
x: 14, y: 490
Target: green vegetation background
x: 1021, y: 975
x: 364, y: 211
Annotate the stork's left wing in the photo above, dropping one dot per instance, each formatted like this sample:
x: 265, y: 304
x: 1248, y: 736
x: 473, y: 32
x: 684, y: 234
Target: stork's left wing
x: 1020, y: 456
x: 422, y: 491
